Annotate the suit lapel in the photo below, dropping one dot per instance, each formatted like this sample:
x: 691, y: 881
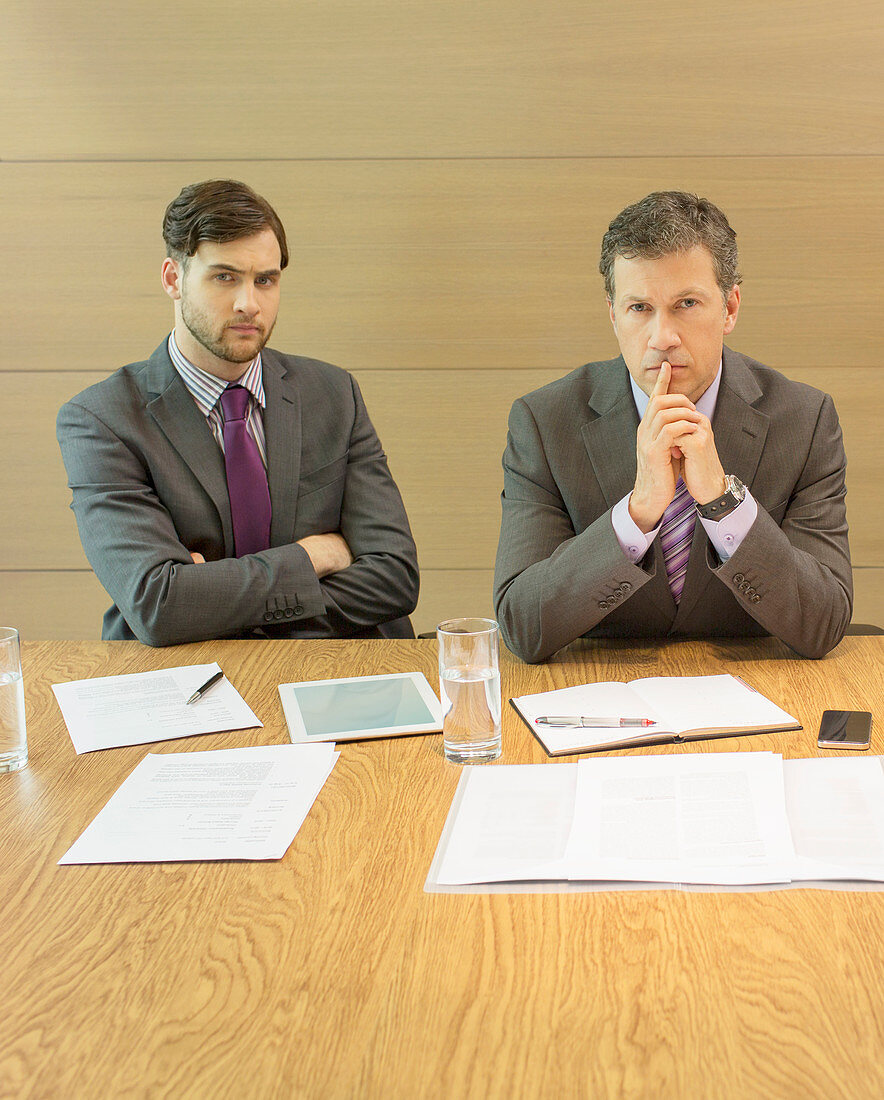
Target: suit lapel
x: 609, y: 439
x: 282, y: 433
x: 177, y: 415
x: 740, y: 434
x: 609, y: 436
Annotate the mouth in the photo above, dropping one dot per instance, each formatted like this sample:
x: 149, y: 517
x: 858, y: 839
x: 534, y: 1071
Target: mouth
x: 245, y: 330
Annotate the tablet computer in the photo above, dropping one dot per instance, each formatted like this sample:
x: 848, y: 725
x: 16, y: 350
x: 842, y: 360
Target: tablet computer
x: 358, y: 707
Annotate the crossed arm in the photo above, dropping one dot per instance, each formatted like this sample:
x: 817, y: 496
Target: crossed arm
x: 146, y: 551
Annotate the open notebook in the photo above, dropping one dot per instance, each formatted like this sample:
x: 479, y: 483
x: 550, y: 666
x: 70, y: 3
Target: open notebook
x: 682, y: 708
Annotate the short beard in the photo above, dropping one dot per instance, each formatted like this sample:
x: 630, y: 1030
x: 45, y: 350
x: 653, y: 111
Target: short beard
x: 199, y: 329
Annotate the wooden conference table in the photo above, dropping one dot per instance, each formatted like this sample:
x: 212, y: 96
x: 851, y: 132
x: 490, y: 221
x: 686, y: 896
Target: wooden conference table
x: 331, y: 973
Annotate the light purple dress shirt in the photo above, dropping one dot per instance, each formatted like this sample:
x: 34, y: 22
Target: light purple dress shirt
x: 725, y: 534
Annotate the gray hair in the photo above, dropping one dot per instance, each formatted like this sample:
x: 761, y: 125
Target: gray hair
x: 671, y: 221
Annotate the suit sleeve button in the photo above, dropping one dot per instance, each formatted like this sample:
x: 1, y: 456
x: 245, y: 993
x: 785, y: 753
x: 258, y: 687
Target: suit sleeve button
x: 268, y: 616
x: 626, y: 586
x: 289, y: 612
x: 299, y: 610
x: 738, y: 579
x: 603, y: 606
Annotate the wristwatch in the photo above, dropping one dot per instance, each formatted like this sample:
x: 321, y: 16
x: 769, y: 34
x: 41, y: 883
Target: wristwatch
x: 735, y: 494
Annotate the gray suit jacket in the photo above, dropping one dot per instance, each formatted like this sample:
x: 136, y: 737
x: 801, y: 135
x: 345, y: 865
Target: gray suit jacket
x: 570, y: 456
x: 149, y: 486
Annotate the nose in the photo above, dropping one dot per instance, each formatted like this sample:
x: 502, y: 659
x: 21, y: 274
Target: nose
x: 246, y: 299
x: 664, y: 334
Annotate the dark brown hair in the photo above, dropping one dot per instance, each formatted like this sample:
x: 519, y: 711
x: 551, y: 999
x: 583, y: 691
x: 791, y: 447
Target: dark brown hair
x: 220, y: 211
x: 671, y: 221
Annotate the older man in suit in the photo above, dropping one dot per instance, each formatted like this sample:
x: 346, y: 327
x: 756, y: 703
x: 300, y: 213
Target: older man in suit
x: 223, y: 489
x: 681, y: 489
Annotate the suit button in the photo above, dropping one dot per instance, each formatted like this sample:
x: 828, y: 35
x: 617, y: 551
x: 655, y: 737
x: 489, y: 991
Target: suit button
x: 268, y: 616
x: 299, y: 610
x: 603, y: 606
x: 738, y: 579
x: 278, y: 613
x: 755, y: 598
x: 626, y: 586
x: 750, y: 591
x: 289, y: 613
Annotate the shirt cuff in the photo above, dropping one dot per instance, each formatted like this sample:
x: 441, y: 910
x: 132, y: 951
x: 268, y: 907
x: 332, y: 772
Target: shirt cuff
x: 633, y: 541
x: 727, y: 534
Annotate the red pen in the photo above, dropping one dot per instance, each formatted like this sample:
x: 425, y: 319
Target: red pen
x: 578, y: 720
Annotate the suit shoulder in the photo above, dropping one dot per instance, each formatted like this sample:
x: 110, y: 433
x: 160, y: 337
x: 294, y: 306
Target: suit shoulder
x: 577, y: 386
x: 780, y: 391
x: 306, y: 367
x: 123, y: 384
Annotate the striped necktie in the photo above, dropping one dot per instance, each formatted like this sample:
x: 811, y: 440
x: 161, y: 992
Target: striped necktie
x: 246, y: 476
x: 675, y: 537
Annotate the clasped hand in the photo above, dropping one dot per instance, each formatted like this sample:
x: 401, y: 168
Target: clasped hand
x: 673, y: 441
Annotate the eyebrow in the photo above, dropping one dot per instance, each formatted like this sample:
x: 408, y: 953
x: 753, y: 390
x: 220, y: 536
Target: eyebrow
x: 689, y: 292
x: 241, y: 271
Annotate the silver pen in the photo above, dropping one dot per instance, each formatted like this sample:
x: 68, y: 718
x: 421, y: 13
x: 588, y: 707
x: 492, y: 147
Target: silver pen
x: 579, y: 720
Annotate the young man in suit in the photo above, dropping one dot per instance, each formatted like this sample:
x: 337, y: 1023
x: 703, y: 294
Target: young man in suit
x: 681, y: 489
x: 223, y: 489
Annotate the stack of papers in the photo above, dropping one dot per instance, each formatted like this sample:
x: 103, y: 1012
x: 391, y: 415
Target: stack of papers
x: 226, y: 804
x: 727, y: 819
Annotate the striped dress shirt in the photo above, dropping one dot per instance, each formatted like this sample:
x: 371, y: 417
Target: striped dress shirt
x: 206, y: 391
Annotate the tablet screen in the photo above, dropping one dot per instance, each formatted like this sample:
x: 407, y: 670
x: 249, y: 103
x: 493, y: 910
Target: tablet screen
x: 365, y: 706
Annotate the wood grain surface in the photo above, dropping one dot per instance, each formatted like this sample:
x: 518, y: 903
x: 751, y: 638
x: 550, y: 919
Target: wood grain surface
x: 345, y: 78
x: 331, y: 973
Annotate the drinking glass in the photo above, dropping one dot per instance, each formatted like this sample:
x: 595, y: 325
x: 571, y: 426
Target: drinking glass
x: 13, y: 737
x: 469, y: 687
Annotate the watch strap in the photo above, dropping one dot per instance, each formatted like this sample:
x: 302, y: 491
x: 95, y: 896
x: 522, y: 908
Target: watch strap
x: 726, y: 503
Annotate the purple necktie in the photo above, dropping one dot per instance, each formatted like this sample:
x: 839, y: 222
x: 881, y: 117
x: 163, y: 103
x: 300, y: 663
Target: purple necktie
x: 676, y: 533
x: 246, y: 476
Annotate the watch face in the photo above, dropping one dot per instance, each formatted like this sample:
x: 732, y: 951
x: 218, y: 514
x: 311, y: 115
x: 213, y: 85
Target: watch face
x: 737, y: 487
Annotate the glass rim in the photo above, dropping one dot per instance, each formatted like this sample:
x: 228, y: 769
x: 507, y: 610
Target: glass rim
x: 8, y: 633
x: 488, y: 626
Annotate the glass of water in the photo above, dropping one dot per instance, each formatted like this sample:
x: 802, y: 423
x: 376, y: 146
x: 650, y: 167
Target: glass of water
x: 469, y: 687
x: 13, y: 739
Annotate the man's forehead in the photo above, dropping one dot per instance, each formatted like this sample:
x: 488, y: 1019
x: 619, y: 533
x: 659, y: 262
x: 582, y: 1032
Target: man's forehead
x: 673, y: 273
x: 258, y: 251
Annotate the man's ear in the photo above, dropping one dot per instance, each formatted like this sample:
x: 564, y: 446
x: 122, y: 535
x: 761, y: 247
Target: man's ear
x: 611, y: 314
x: 172, y: 277
x: 731, y: 309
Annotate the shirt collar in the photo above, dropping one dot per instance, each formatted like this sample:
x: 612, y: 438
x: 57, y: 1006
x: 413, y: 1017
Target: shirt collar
x: 205, y: 388
x: 705, y: 405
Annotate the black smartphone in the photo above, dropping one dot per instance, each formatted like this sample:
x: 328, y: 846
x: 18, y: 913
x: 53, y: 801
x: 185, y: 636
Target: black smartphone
x: 845, y: 729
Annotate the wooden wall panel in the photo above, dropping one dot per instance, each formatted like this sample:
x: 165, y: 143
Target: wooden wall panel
x: 416, y: 265
x: 445, y: 172
x: 345, y: 78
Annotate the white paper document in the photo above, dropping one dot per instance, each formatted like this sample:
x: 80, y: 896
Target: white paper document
x: 512, y: 824
x: 106, y: 712
x: 695, y: 819
x: 224, y: 804
x: 836, y: 810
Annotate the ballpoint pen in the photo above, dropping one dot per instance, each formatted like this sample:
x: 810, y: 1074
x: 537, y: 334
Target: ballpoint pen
x: 578, y: 720
x: 203, y: 688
